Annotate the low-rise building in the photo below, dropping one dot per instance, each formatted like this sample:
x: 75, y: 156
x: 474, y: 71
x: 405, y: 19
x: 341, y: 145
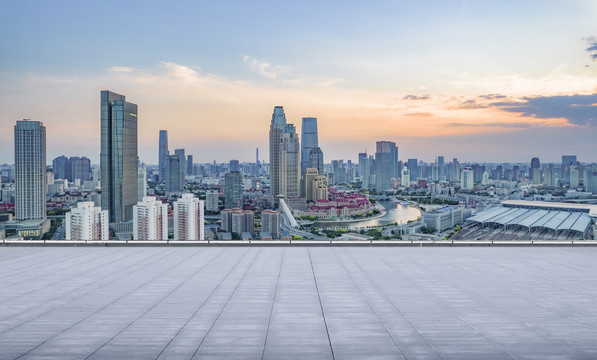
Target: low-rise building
x: 446, y: 218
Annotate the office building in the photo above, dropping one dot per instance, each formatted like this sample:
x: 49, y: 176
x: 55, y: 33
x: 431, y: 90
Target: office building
x: 183, y: 163
x: 276, y: 128
x: 174, y: 182
x: 118, y: 156
x: 567, y: 162
x: 289, y: 163
x: 80, y: 168
x: 386, y: 160
x: 308, y: 175
x: 364, y: 170
x: 536, y: 176
x: 30, y: 170
x: 60, y: 166
x: 446, y: 218
x: 141, y: 182
x: 319, y: 188
x: 212, y: 201
x: 189, y: 164
x: 270, y: 227
x: 150, y: 221
x: 163, y: 154
x: 405, y: 177
x: 413, y: 169
x: 467, y: 180
x: 188, y: 218
x: 234, y: 166
x: 309, y: 141
x: 233, y: 190
x: 316, y: 159
x: 574, y: 177
x: 87, y: 222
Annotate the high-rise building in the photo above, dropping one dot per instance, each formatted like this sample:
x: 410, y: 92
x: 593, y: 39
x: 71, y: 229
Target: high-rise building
x: 574, y: 177
x: 467, y: 180
x: 233, y: 190
x: 80, y: 168
x: 173, y: 177
x: 163, y: 154
x: 87, y: 222
x: 536, y: 176
x: 386, y: 160
x: 243, y: 221
x: 441, y: 166
x: 61, y: 166
x: 548, y: 177
x: 234, y: 166
x: 535, y: 164
x: 364, y: 170
x: 141, y: 182
x: 316, y: 159
x: 118, y: 156
x: 309, y: 140
x: 270, y: 220
x: 289, y: 164
x: 308, y: 175
x: 189, y: 164
x: 413, y: 169
x: 567, y: 162
x: 188, y: 218
x: 212, y: 201
x: 257, y: 156
x: 319, y: 188
x: 30, y: 170
x: 275, y: 134
x: 405, y: 178
x: 150, y: 221
x: 183, y: 163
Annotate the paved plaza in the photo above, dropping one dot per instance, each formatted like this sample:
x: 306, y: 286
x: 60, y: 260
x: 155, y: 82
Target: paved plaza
x: 327, y: 302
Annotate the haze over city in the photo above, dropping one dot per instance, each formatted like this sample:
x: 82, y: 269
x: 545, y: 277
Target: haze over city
x: 461, y: 78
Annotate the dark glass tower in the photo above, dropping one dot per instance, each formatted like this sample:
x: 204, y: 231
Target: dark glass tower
x: 309, y: 140
x: 275, y: 134
x: 118, y: 156
x: 163, y: 154
x: 386, y: 159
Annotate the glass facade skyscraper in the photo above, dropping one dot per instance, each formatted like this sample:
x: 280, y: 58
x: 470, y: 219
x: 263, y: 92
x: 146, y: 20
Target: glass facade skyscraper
x: 386, y: 159
x: 316, y: 160
x: 289, y: 163
x: 275, y: 134
x: 118, y: 156
x: 309, y: 140
x: 30, y: 170
x: 163, y: 154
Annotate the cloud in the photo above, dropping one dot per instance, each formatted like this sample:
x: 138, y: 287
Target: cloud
x: 121, y: 69
x: 415, y: 97
x: 471, y: 104
x: 514, y: 125
x: 592, y: 49
x: 492, y: 96
x: 576, y: 109
x: 265, y: 69
x: 419, y: 114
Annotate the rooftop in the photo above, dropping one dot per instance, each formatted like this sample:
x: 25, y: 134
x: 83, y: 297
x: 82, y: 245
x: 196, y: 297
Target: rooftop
x: 298, y: 302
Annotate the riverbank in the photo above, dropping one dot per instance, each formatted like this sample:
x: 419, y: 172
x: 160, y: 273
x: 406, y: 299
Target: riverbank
x: 381, y: 208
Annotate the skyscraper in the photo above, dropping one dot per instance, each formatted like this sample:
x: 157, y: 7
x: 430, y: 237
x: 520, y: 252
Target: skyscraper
x: 118, y: 156
x: 413, y: 169
x: 150, y: 220
x: 386, y: 160
x: 234, y: 166
x: 30, y: 170
x: 188, y: 218
x: 141, y: 182
x: 467, y: 181
x: 80, y: 168
x: 163, y: 154
x: 275, y: 134
x: 567, y: 162
x: 316, y: 159
x: 183, y: 163
x: 364, y: 170
x: 289, y: 163
x: 309, y: 140
x: 233, y: 190
x: 270, y: 224
x: 173, y: 177
x: 60, y: 165
x: 189, y: 164
x: 87, y: 222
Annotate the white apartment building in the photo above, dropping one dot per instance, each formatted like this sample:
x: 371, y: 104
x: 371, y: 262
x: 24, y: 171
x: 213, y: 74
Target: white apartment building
x: 150, y: 220
x: 188, y: 218
x: 87, y: 222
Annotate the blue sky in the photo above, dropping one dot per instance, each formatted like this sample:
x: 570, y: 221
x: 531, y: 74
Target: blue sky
x: 196, y: 66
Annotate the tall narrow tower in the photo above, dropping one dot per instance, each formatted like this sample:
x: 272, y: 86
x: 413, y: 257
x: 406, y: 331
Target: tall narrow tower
x: 163, y: 154
x: 309, y: 140
x: 30, y: 170
x: 118, y: 156
x: 275, y: 134
x: 289, y: 163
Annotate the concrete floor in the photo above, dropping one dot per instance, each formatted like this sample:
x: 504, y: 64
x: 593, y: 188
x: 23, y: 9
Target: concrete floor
x: 298, y: 303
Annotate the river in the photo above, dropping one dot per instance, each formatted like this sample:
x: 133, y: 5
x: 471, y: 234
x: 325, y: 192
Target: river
x: 395, y: 213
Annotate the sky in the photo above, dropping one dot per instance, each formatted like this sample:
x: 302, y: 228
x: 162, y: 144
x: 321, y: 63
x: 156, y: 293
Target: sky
x: 487, y: 81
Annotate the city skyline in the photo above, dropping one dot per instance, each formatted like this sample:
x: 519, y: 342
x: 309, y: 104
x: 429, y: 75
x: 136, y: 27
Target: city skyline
x: 460, y: 80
